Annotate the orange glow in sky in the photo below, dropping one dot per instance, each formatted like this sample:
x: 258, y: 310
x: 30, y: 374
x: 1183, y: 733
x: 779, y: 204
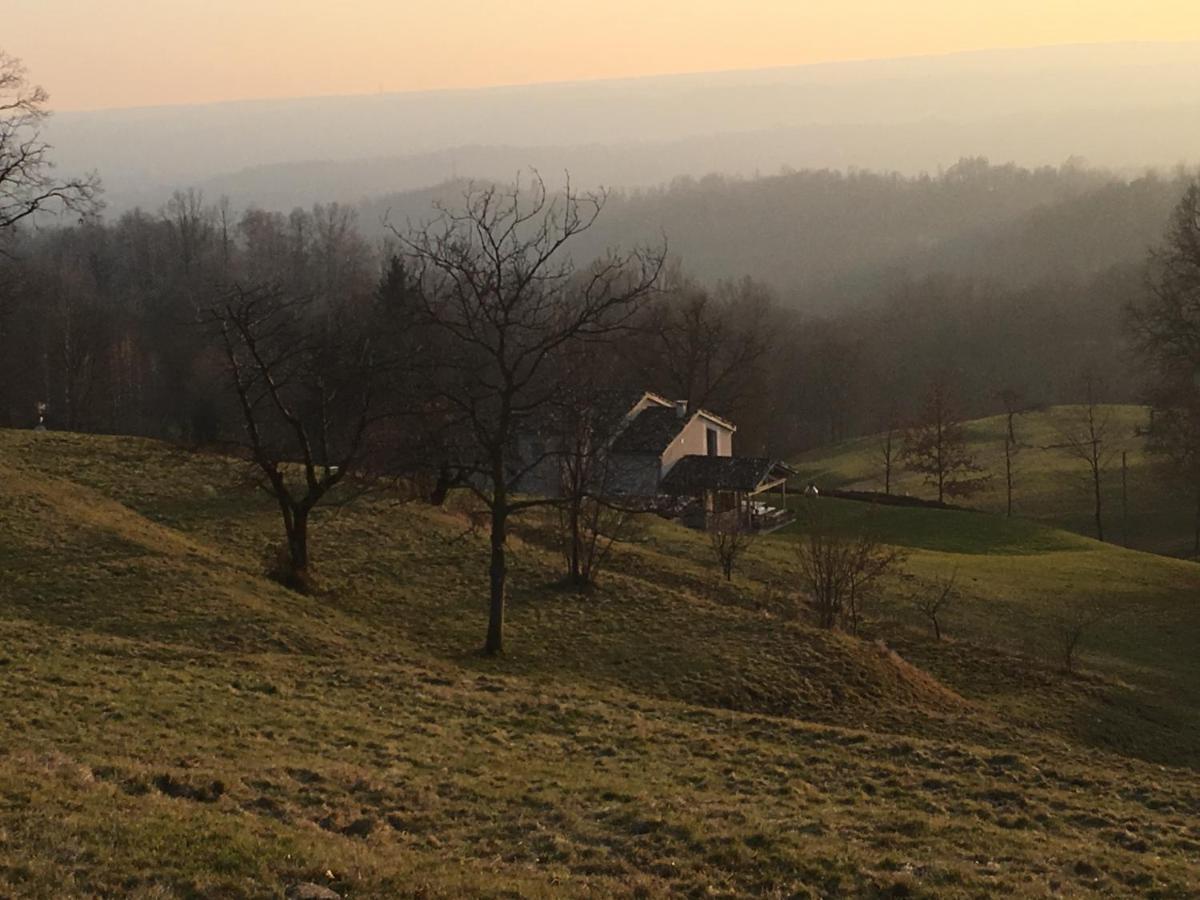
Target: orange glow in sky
x: 106, y: 53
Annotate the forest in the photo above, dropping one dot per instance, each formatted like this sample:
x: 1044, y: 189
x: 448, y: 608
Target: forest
x: 855, y: 288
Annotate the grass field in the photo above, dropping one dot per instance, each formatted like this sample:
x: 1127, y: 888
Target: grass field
x: 178, y: 726
x: 1158, y: 513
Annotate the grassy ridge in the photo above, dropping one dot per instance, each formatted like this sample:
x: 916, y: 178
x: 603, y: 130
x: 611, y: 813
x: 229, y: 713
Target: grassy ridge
x: 1013, y: 578
x: 1050, y: 486
x: 180, y: 727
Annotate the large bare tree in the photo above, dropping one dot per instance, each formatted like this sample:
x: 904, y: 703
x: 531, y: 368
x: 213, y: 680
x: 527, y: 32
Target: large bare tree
x: 1166, y: 331
x: 495, y: 281
x: 28, y: 182
x: 309, y: 387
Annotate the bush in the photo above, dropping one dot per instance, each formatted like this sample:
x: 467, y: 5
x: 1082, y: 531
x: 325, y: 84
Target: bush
x: 840, y: 565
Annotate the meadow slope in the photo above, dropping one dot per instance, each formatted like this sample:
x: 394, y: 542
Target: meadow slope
x: 179, y: 726
x: 1051, y: 486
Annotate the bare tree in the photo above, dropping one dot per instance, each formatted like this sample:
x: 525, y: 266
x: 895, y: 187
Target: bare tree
x: 1087, y: 433
x: 1070, y: 625
x: 840, y: 565
x: 588, y: 415
x: 80, y: 339
x: 932, y: 604
x: 887, y: 449
x: 591, y: 525
x: 935, y: 445
x: 1167, y: 324
x: 495, y: 279
x: 307, y: 384
x: 835, y: 369
x: 27, y: 180
x: 707, y: 349
x: 1174, y: 440
x: 1013, y: 405
x: 730, y: 538
x: 192, y: 226
x: 1166, y: 330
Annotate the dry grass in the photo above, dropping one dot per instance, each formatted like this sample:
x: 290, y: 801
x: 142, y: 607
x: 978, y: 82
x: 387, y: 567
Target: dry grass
x: 179, y: 726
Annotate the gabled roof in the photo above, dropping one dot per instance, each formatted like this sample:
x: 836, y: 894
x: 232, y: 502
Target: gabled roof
x: 715, y: 419
x: 654, y: 428
x: 653, y: 397
x: 650, y: 431
x: 724, y: 473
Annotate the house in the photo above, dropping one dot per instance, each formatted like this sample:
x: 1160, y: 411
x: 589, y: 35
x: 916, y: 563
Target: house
x: 666, y: 457
x: 657, y: 435
x: 665, y: 450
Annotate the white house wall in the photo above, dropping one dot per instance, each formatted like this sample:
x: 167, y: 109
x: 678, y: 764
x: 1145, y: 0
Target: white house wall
x: 692, y: 441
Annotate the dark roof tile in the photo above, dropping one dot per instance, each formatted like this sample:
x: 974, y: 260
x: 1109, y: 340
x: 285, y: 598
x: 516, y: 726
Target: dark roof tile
x: 650, y: 431
x: 721, y: 473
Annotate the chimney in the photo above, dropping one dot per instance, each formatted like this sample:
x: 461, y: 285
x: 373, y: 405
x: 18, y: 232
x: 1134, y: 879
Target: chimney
x: 681, y: 408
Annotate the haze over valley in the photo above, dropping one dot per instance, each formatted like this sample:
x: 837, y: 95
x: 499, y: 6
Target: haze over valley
x: 1124, y: 107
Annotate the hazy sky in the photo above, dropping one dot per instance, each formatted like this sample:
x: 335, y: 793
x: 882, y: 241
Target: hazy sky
x: 105, y: 53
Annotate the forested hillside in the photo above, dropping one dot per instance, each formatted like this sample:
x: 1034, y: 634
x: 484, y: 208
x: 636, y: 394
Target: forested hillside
x: 837, y: 295
x: 826, y: 239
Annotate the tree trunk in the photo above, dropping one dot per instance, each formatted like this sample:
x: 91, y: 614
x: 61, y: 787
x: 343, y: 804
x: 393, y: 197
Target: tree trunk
x: 498, y: 572
x: 1196, y: 532
x: 1008, y: 478
x: 441, y: 488
x: 297, y: 534
x: 1099, y: 510
x: 576, y: 541
x: 1124, y: 499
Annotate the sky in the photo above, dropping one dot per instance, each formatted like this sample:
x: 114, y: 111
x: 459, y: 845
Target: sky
x: 93, y: 54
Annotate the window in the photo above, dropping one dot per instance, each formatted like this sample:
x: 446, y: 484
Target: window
x: 714, y: 443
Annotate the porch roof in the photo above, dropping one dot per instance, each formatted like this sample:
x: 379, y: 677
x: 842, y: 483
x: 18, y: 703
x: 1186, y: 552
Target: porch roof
x: 744, y: 474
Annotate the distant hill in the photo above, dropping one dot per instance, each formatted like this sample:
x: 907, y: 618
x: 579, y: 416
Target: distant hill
x: 826, y: 240
x: 1125, y: 106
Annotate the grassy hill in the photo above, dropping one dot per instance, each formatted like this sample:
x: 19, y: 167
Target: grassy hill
x: 179, y: 726
x: 1051, y: 486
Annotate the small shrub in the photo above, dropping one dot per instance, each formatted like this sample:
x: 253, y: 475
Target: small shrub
x: 932, y: 604
x: 840, y: 566
x: 1068, y: 628
x: 730, y: 539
